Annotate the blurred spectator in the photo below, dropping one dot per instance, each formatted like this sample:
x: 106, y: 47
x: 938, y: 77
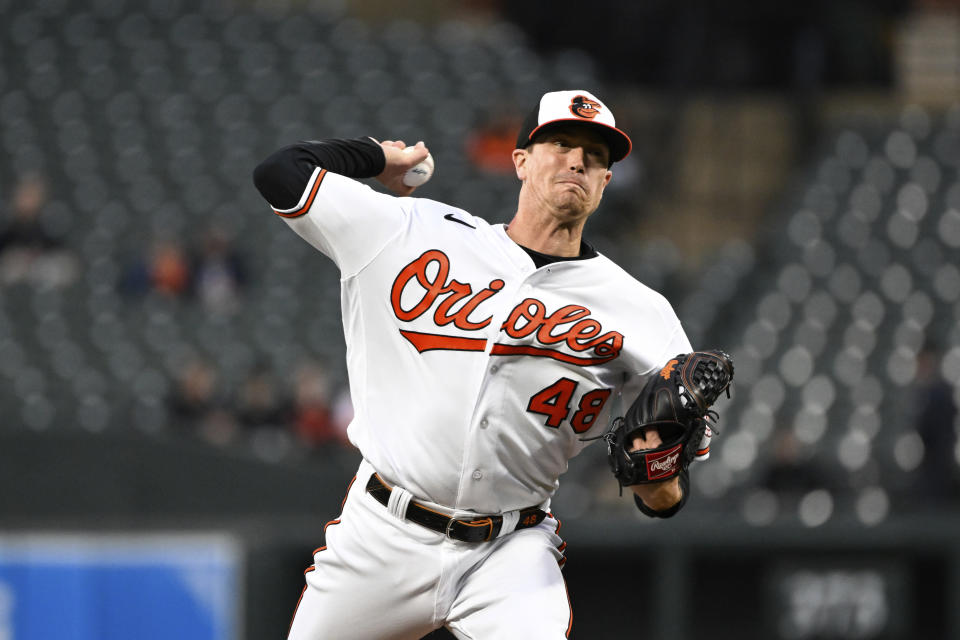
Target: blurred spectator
x: 793, y: 472
x: 197, y: 405
x: 219, y: 274
x: 215, y: 273
x: 490, y: 147
x: 165, y: 270
x: 260, y: 404
x: 28, y: 252
x: 169, y: 269
x: 935, y: 416
x: 312, y: 415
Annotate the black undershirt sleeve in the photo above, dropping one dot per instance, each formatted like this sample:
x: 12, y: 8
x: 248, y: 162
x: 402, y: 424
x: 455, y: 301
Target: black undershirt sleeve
x: 672, y: 511
x: 283, y: 176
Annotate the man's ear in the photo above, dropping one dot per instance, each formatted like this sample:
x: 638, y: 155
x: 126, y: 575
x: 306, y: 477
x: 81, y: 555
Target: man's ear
x: 520, y: 163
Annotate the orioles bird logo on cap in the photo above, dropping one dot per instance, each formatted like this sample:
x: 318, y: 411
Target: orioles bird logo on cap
x: 584, y: 107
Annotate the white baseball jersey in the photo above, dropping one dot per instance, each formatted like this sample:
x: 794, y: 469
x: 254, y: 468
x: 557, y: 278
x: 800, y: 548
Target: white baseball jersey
x: 476, y: 376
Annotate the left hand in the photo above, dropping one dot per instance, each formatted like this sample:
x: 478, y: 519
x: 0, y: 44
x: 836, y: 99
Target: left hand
x: 646, y: 440
x: 659, y: 496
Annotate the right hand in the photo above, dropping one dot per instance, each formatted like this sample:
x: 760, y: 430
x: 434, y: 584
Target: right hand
x: 398, y: 162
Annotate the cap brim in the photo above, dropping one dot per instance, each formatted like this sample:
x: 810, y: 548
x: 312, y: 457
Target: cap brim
x: 618, y: 142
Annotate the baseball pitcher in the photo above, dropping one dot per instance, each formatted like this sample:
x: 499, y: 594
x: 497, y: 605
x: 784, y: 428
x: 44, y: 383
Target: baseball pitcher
x: 481, y: 359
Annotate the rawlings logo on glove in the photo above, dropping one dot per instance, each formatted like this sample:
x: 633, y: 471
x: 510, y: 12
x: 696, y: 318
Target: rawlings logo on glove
x: 664, y: 464
x: 676, y: 402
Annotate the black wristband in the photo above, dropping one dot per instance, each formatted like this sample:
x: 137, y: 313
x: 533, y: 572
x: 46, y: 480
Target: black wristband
x: 671, y: 511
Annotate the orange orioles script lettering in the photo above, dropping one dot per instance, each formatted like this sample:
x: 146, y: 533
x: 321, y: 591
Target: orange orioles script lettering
x: 436, y: 287
x: 425, y: 284
x: 570, y: 325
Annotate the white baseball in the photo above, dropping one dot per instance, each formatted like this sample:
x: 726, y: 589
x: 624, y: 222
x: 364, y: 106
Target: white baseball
x: 419, y: 173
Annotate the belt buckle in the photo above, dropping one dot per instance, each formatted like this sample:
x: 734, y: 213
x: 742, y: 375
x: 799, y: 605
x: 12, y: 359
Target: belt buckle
x: 449, y: 526
x: 488, y: 523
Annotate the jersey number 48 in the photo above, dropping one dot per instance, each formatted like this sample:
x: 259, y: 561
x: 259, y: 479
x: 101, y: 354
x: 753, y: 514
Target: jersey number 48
x: 555, y: 402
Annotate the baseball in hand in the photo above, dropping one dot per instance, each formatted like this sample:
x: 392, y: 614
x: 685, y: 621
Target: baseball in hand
x: 420, y: 173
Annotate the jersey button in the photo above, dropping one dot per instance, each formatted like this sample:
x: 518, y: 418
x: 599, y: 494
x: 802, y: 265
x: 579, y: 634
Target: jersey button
x: 494, y: 368
x: 477, y: 474
x: 484, y: 423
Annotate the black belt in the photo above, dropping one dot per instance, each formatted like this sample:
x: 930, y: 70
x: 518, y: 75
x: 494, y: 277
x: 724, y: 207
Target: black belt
x: 473, y: 530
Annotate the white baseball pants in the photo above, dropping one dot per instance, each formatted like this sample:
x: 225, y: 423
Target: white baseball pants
x: 380, y: 577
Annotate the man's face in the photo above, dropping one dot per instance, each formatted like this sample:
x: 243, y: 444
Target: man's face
x: 565, y: 170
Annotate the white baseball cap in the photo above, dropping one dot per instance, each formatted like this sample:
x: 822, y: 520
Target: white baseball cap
x: 575, y: 105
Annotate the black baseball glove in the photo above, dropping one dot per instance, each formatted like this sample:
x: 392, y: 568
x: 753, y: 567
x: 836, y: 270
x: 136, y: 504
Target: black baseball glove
x: 676, y: 402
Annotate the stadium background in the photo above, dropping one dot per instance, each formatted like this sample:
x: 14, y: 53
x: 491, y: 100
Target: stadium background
x: 171, y: 357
